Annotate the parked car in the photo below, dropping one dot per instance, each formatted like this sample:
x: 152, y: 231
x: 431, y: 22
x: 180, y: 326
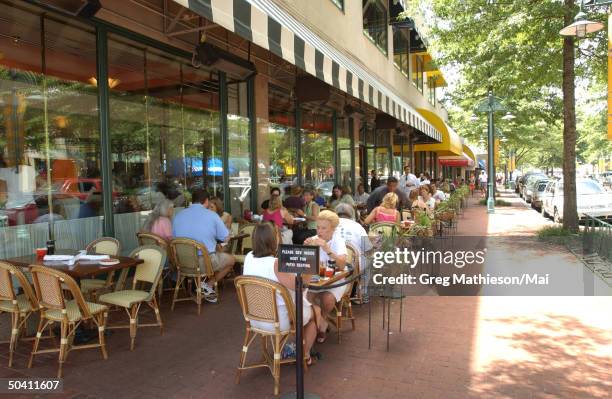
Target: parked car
x: 523, y: 180
x: 538, y: 193
x: 529, y: 185
x: 592, y: 199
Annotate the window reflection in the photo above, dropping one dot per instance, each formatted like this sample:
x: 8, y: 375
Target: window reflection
x: 317, y: 151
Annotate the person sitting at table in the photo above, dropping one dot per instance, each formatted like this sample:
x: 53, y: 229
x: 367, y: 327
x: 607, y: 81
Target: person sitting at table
x: 279, y: 215
x: 201, y: 224
x: 216, y: 205
x: 331, y: 246
x: 159, y: 220
x: 294, y: 201
x: 310, y: 213
x: 340, y: 195
x: 262, y: 262
x: 425, y: 201
x: 361, y: 197
x: 386, y: 212
x: 438, y: 195
x: 350, y: 230
x: 274, y: 192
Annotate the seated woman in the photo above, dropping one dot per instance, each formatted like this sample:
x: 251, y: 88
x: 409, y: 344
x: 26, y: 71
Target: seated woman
x: 310, y: 213
x: 261, y: 262
x: 386, y: 212
x: 340, y: 195
x: 159, y: 221
x: 331, y: 246
x: 438, y: 195
x: 425, y: 201
x: 215, y: 205
x: 279, y: 215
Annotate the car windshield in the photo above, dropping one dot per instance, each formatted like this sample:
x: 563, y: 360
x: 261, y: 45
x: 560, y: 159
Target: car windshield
x: 589, y: 187
x: 542, y: 186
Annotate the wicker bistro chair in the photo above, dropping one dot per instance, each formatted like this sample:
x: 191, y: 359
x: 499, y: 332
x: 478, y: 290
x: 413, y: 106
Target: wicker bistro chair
x: 344, y: 308
x: 20, y: 306
x: 258, y: 300
x: 386, y: 229
x: 55, y: 307
x: 148, y: 272
x: 154, y: 239
x: 93, y: 287
x: 247, y: 242
x: 186, y: 253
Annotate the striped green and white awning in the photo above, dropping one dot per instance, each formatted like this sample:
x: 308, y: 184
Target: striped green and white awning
x: 267, y: 25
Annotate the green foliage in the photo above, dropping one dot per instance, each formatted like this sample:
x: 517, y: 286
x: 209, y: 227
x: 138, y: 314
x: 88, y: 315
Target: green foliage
x: 514, y: 48
x: 553, y: 231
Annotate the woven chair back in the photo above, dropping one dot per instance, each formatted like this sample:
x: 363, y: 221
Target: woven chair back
x: 258, y: 300
x: 150, y: 270
x: 105, y: 246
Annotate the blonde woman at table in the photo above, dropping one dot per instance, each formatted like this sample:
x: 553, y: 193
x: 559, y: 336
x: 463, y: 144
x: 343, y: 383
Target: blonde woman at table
x: 261, y: 262
x: 331, y: 246
x: 215, y: 205
x: 279, y: 215
x: 159, y: 220
x: 386, y: 212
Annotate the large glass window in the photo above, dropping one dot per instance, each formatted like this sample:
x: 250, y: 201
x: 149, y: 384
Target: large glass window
x: 375, y: 23
x: 50, y: 184
x: 417, y: 72
x: 165, y: 136
x: 281, y: 139
x: 239, y: 144
x: 344, y: 152
x: 401, y: 51
x: 317, y: 151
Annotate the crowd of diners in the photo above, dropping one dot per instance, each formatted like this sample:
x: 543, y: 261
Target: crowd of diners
x: 301, y: 217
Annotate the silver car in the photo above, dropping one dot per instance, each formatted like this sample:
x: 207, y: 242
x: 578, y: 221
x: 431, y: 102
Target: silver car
x: 537, y: 197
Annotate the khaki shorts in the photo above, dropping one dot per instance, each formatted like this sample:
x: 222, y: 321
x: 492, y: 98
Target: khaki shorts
x: 218, y: 260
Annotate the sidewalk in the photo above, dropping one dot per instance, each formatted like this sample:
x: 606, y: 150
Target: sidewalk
x: 450, y: 347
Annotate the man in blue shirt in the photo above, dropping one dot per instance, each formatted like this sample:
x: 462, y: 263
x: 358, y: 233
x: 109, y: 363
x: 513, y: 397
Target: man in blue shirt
x: 201, y: 224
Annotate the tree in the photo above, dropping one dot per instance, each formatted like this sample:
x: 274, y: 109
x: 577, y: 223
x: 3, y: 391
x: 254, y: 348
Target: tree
x: 514, y: 48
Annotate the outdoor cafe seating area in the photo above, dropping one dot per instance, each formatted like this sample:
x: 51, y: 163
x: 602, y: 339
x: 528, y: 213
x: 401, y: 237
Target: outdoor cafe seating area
x: 75, y: 297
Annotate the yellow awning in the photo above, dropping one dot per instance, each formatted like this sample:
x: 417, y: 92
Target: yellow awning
x: 437, y: 76
x: 451, y: 142
x: 469, y: 152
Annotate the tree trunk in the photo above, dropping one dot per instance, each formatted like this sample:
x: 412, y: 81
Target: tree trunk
x: 570, y: 215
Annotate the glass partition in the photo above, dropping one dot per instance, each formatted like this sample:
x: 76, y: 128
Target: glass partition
x: 165, y: 136
x: 317, y: 152
x: 50, y: 183
x: 238, y: 151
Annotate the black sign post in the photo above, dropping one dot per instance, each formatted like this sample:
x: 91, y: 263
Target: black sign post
x: 298, y: 259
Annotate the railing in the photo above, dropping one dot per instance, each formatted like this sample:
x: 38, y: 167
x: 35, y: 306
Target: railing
x: 597, y: 238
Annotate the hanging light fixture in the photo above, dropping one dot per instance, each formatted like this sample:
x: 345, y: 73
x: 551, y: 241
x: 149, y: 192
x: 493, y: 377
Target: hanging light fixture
x: 508, y: 116
x: 581, y: 26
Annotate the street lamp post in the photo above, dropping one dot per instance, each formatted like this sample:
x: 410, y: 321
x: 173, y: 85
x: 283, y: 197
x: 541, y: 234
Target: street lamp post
x: 490, y: 105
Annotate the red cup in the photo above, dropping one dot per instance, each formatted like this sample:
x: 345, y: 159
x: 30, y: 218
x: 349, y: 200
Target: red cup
x: 40, y: 253
x: 329, y: 272
x: 322, y: 270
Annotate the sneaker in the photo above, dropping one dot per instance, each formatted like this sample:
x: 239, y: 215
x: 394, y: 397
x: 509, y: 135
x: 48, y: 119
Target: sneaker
x: 209, y: 292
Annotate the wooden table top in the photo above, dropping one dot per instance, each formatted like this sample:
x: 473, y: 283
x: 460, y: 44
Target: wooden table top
x: 80, y: 269
x: 325, y: 281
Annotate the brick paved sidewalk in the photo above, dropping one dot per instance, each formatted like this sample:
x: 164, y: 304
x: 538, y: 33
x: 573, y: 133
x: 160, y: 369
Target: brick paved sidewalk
x: 450, y: 347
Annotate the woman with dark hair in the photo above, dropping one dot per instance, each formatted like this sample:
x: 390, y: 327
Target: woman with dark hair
x: 340, y: 195
x: 310, y: 213
x: 216, y: 205
x: 262, y: 262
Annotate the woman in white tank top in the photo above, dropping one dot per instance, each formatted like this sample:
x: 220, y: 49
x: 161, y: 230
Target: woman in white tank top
x: 261, y: 262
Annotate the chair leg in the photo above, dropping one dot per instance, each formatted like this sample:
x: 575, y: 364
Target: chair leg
x: 276, y: 364
x: 350, y: 315
x: 14, y: 336
x: 198, y: 281
x: 153, y: 304
x: 63, y: 345
x: 133, y: 324
x: 179, y: 280
x: 39, y: 330
x: 101, y: 321
x: 160, y: 289
x: 339, y: 320
x: 243, y: 354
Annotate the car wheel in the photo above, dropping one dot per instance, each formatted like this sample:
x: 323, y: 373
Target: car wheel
x: 556, y: 217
